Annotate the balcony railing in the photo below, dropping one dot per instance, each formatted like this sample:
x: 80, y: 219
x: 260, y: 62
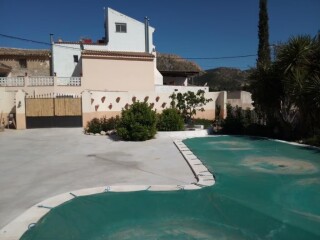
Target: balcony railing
x: 39, y: 81
x: 172, y: 88
x: 11, y: 81
x: 69, y: 81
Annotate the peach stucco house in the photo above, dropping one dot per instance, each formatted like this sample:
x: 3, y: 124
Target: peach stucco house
x: 107, y: 74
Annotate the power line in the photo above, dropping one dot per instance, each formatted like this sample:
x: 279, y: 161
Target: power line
x: 189, y: 58
x: 34, y: 41
x: 24, y: 39
x: 225, y: 57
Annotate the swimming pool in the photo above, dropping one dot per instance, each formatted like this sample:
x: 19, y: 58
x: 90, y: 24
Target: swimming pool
x: 264, y: 190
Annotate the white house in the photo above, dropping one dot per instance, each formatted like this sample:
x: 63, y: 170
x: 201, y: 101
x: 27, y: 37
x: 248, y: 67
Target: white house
x: 122, y: 33
x: 109, y: 75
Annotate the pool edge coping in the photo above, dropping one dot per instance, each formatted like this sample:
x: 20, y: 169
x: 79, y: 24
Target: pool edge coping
x: 18, y: 226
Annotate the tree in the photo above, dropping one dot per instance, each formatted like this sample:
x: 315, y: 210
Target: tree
x: 264, y: 58
x: 298, y: 60
x: 287, y: 92
x: 265, y: 85
x: 189, y: 103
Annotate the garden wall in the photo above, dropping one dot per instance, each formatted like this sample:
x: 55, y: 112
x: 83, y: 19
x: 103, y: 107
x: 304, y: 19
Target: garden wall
x: 7, y: 105
x: 104, y: 103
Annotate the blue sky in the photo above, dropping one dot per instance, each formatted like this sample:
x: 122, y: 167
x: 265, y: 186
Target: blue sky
x: 189, y: 28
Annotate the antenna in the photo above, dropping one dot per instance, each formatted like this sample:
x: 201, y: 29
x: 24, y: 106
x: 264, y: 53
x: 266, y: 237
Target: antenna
x: 105, y: 24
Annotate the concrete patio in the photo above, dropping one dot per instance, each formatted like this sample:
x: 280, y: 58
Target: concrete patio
x: 37, y: 164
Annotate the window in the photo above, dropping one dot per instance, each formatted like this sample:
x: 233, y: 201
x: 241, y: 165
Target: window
x: 121, y: 27
x: 23, y: 63
x: 75, y: 58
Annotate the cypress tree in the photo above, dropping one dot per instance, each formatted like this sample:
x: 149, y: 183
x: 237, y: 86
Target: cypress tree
x: 264, y: 58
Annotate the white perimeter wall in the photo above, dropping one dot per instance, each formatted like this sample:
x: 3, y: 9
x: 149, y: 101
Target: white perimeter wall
x: 241, y: 99
x: 7, y: 103
x: 106, y: 103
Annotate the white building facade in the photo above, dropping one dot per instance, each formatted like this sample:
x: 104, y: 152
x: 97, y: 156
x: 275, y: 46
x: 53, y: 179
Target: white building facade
x: 109, y: 75
x: 122, y: 33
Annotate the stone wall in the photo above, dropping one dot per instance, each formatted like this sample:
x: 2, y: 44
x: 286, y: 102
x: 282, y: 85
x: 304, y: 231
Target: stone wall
x: 34, y: 66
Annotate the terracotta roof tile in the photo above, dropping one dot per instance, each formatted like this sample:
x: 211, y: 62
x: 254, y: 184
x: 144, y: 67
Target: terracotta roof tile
x: 24, y: 52
x: 4, y: 68
x: 78, y: 42
x: 118, y: 54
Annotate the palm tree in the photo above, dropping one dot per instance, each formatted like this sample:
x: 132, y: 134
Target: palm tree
x: 298, y: 60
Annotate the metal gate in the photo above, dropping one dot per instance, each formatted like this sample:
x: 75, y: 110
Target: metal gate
x: 53, y: 112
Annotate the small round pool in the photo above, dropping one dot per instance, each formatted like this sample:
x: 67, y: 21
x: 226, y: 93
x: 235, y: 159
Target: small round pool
x: 264, y: 190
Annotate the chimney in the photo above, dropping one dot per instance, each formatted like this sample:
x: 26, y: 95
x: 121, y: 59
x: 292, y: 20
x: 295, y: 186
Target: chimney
x: 146, y: 25
x: 106, y: 30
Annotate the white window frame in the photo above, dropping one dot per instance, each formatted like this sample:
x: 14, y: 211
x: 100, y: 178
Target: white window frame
x: 121, y: 27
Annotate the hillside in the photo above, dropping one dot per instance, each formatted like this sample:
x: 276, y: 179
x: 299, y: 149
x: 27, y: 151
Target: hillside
x: 219, y: 79
x: 171, y: 62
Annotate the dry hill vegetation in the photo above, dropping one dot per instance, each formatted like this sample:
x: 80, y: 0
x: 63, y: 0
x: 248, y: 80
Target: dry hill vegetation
x: 218, y: 79
x: 223, y: 79
x: 171, y: 62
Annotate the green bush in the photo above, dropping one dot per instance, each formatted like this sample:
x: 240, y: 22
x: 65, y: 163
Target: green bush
x: 93, y: 126
x: 108, y: 124
x: 137, y: 123
x: 170, y: 120
x: 314, y: 141
x: 103, y: 124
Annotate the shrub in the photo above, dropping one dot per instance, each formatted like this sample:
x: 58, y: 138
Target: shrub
x: 94, y: 126
x: 247, y: 122
x: 170, y: 120
x: 108, y: 124
x: 233, y: 124
x: 103, y: 124
x: 314, y: 141
x: 137, y: 123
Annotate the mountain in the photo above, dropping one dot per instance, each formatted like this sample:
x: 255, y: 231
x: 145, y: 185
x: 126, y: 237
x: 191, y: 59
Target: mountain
x: 172, y: 62
x: 223, y: 79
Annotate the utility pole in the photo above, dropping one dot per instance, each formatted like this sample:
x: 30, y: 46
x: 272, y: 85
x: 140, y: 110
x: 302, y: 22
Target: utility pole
x: 51, y: 61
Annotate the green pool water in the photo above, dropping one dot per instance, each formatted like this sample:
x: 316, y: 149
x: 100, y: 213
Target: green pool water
x: 264, y: 190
